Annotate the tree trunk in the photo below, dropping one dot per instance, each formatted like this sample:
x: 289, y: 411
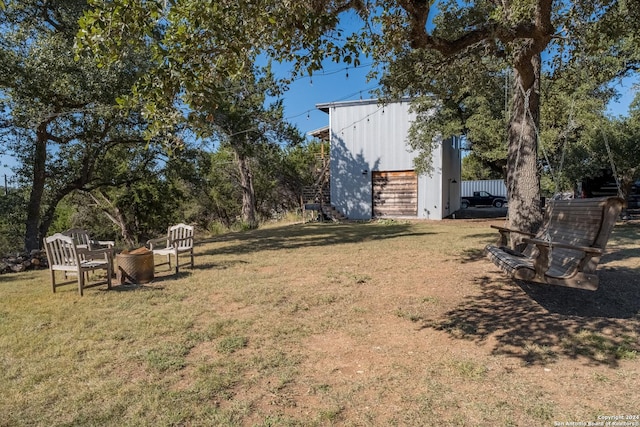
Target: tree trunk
x: 118, y: 219
x: 32, y: 239
x: 115, y: 216
x: 47, y: 217
x: 248, y: 193
x: 523, y: 180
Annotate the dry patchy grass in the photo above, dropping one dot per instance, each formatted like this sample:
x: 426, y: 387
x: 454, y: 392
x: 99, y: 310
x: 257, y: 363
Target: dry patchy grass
x: 393, y: 323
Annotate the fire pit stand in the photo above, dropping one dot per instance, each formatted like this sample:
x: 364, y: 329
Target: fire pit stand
x: 135, y: 267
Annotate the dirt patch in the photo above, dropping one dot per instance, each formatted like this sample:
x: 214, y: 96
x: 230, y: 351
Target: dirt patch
x: 455, y: 342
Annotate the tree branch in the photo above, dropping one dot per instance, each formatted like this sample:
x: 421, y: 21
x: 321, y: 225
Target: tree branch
x: 540, y: 31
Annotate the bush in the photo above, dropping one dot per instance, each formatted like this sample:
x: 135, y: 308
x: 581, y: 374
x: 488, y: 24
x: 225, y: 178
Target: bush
x: 12, y: 220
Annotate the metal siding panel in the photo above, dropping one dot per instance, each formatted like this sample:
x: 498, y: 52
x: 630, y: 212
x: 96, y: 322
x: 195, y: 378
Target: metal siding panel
x: 350, y: 188
x: 378, y: 134
x: 493, y: 186
x: 367, y: 136
x: 433, y: 207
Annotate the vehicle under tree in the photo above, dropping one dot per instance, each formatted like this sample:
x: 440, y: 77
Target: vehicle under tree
x: 483, y: 198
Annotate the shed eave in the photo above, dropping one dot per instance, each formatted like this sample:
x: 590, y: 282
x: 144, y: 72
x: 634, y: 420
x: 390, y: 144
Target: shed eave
x: 320, y: 133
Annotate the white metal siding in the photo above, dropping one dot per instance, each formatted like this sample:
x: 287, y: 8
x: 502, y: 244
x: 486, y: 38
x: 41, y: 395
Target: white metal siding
x: 367, y: 136
x: 492, y: 186
x: 451, y: 182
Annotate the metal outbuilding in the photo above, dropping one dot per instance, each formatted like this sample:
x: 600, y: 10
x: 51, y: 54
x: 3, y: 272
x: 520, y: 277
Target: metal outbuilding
x: 372, y: 173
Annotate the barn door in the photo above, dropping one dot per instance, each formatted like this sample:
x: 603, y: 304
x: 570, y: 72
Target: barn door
x: 395, y: 193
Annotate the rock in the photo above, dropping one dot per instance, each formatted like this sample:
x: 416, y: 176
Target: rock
x: 17, y: 268
x: 21, y: 262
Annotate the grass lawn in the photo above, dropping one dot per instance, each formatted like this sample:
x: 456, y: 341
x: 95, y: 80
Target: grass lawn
x: 387, y: 323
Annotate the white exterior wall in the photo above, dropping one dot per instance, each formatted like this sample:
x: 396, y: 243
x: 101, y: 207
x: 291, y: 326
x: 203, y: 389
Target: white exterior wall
x: 365, y: 137
x: 452, y: 170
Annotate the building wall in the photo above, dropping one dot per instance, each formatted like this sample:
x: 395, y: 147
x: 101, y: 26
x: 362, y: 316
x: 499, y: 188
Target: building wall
x: 451, y: 181
x: 365, y: 137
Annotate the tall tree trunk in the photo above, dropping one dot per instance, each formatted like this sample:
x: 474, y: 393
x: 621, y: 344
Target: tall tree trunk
x: 115, y: 216
x: 47, y: 217
x: 248, y: 193
x: 32, y: 238
x: 523, y: 180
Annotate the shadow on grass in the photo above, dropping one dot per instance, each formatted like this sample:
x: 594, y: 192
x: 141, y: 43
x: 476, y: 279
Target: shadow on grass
x: 540, y: 323
x: 472, y: 255
x: 129, y: 287
x: 222, y: 265
x: 309, y: 235
x: 159, y: 278
x: 9, y: 277
x: 628, y: 232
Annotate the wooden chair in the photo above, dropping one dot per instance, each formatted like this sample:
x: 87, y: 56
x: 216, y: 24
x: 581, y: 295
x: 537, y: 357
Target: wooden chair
x: 83, y: 241
x: 179, y: 240
x: 64, y: 255
x: 567, y: 248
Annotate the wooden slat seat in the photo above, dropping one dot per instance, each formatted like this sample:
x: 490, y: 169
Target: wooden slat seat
x: 83, y: 240
x: 567, y: 248
x: 64, y: 255
x: 179, y: 240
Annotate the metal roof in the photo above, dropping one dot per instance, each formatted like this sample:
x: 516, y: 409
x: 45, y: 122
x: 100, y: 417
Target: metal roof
x: 321, y: 133
x: 324, y: 106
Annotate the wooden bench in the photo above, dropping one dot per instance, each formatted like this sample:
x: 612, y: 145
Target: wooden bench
x: 567, y: 248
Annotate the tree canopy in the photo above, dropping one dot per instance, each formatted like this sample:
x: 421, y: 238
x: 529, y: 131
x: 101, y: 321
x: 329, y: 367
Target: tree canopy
x: 60, y: 115
x: 430, y: 47
x: 76, y: 126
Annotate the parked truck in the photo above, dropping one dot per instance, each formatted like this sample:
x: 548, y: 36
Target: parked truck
x: 482, y: 198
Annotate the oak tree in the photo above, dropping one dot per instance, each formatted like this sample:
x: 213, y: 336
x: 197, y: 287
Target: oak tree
x: 422, y: 40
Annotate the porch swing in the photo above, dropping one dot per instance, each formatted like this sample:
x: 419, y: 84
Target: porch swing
x: 567, y: 248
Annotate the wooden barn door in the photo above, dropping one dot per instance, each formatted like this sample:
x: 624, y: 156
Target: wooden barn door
x: 395, y: 193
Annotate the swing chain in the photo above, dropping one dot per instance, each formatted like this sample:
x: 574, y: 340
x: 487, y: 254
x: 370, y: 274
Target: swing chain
x: 613, y: 165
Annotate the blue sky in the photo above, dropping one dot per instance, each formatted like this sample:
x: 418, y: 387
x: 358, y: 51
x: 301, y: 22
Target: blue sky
x: 628, y: 88
x: 335, y: 83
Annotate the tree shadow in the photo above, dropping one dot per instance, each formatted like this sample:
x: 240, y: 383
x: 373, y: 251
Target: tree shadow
x: 540, y: 324
x: 130, y: 287
x: 9, y: 277
x: 472, y: 255
x: 617, y: 297
x: 351, y: 179
x: 309, y: 235
x: 223, y: 265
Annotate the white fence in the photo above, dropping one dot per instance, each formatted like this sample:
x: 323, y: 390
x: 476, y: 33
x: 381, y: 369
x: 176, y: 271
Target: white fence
x: 496, y: 187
